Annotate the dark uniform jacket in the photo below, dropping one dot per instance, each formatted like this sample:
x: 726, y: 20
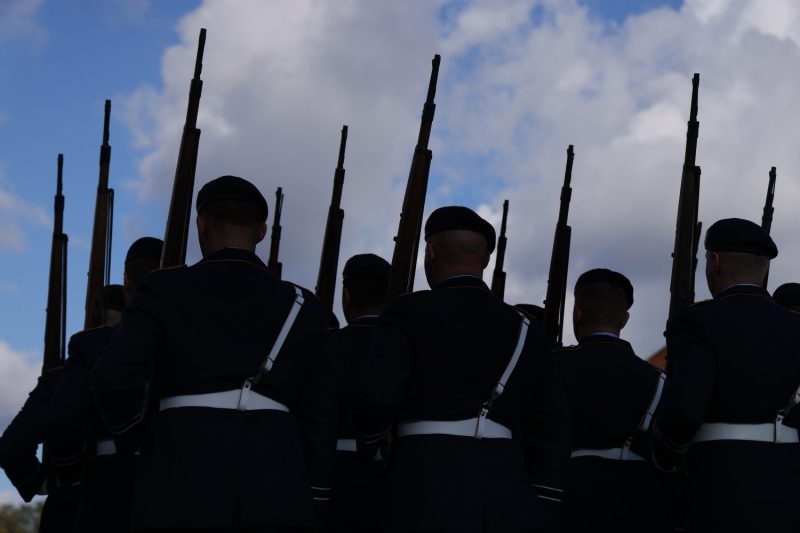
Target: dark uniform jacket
x: 204, y: 329
x: 18, y: 447
x: 608, y: 389
x: 73, y: 429
x: 437, y: 356
x: 734, y: 359
x: 357, y: 500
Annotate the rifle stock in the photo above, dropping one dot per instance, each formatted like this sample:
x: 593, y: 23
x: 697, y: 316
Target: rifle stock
x: 100, y: 255
x: 329, y: 260
x: 56, y: 315
x: 499, y: 276
x: 406, y: 243
x: 273, y: 264
x: 559, y: 263
x: 180, y: 207
x: 687, y: 227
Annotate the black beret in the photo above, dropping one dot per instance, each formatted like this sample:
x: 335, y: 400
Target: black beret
x: 113, y: 297
x: 609, y: 277
x: 231, y: 188
x: 366, y: 268
x: 458, y: 217
x: 739, y: 235
x: 532, y: 310
x: 145, y: 247
x: 788, y: 295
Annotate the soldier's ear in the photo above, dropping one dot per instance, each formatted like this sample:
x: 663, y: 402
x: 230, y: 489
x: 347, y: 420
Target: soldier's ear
x: 625, y: 319
x: 200, y: 221
x: 262, y: 231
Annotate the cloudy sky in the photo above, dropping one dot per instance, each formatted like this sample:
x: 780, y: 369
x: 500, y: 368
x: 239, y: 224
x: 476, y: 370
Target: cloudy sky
x: 519, y: 81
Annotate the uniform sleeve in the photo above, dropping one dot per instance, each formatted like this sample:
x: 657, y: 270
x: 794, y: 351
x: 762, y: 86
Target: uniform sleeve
x: 316, y: 409
x: 66, y: 429
x: 687, y: 394
x: 20, y: 441
x: 546, y: 429
x: 381, y: 387
x: 121, y: 376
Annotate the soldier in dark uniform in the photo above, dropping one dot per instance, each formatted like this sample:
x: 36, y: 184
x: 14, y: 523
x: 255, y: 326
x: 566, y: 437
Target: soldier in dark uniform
x: 18, y: 447
x: 245, y: 426
x: 612, y: 394
x: 357, y: 501
x: 788, y: 295
x: 734, y: 370
x: 76, y: 438
x: 482, y: 434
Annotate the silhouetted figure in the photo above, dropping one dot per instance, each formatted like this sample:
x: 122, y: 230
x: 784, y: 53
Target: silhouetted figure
x: 788, y: 295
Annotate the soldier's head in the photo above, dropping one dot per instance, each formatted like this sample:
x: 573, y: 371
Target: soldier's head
x: 231, y: 213
x: 788, y: 295
x: 458, y: 243
x: 737, y: 252
x: 602, y: 300
x: 143, y: 256
x: 365, y: 278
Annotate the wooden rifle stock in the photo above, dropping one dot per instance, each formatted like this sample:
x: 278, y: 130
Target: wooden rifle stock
x: 555, y: 299
x: 766, y: 218
x: 499, y: 277
x: 180, y: 207
x: 100, y: 255
x: 56, y: 315
x: 406, y: 243
x: 275, y: 266
x: 329, y: 260
x: 687, y: 228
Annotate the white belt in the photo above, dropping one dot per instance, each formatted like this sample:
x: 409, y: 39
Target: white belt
x: 244, y: 399
x: 619, y: 454
x: 772, y: 432
x: 346, y: 445
x: 458, y: 428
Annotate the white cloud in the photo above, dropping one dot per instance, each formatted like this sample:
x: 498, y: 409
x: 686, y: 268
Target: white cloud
x: 15, y: 213
x: 18, y: 377
x: 514, y: 91
x: 18, y: 21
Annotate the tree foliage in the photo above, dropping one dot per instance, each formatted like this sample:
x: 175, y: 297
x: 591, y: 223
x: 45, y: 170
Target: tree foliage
x: 20, y: 518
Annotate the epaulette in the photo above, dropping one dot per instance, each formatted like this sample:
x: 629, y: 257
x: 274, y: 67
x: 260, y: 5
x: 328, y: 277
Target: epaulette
x: 566, y: 348
x: 701, y: 302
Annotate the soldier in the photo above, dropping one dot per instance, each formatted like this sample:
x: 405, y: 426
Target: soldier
x: 357, y: 502
x: 788, y: 295
x: 734, y: 371
x: 18, y: 447
x: 471, y: 386
x: 76, y: 437
x: 612, y: 394
x: 244, y: 432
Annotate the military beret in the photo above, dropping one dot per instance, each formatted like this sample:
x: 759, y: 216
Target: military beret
x: 366, y: 268
x: 788, y: 295
x: 145, y: 247
x: 232, y: 188
x: 458, y: 217
x: 609, y: 277
x: 739, y: 235
x: 113, y: 297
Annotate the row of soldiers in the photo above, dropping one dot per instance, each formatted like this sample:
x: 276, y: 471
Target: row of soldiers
x: 224, y: 401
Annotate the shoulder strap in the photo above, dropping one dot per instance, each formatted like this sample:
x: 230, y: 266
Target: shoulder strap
x: 647, y: 419
x: 269, y: 362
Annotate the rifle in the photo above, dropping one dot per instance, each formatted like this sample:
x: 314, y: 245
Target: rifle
x: 329, y: 261
x: 100, y: 255
x: 180, y: 206
x: 555, y: 298
x: 499, y: 277
x: 687, y: 228
x: 766, y: 218
x: 273, y: 264
x: 55, y: 326
x: 406, y: 243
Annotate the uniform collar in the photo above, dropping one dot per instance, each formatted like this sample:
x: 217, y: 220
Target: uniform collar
x: 742, y: 288
x: 234, y: 254
x: 463, y: 281
x: 598, y: 338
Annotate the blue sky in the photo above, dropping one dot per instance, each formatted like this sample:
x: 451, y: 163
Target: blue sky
x: 520, y: 80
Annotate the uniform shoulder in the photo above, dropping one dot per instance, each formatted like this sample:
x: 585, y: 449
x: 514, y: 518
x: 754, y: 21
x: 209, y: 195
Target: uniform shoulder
x: 89, y: 339
x: 89, y: 334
